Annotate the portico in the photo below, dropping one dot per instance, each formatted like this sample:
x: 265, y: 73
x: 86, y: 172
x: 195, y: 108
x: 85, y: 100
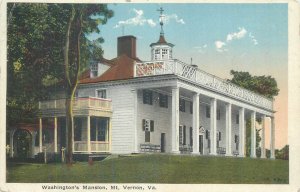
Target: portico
x: 234, y: 104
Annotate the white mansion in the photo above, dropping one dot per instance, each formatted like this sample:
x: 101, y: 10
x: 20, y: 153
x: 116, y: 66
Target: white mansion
x: 126, y: 105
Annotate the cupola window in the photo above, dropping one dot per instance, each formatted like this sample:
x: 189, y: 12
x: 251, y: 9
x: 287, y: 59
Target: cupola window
x: 165, y: 54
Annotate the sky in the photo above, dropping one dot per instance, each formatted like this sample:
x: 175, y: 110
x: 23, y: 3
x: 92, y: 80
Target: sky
x: 218, y: 38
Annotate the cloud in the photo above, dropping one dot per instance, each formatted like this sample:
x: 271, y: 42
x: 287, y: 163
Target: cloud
x: 137, y: 20
x: 253, y: 39
x: 220, y: 46
x: 240, y: 34
x: 201, y: 49
x: 168, y: 18
x: 237, y: 35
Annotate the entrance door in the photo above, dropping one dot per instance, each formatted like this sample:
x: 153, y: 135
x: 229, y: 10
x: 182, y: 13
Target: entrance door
x: 22, y: 143
x: 201, y: 144
x: 163, y: 142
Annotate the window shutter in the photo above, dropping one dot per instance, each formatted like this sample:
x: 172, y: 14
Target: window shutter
x: 151, y: 125
x: 150, y: 95
x: 166, y: 96
x: 235, y: 138
x: 219, y: 136
x: 184, y: 135
x: 143, y: 124
x: 206, y: 134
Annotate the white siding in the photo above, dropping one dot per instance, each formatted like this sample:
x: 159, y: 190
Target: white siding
x: 123, y: 119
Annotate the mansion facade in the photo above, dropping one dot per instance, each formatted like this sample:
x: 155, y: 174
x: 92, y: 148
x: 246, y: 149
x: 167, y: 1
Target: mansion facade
x: 125, y: 105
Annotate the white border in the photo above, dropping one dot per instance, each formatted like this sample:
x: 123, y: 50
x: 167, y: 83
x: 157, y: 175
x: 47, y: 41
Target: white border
x: 293, y: 107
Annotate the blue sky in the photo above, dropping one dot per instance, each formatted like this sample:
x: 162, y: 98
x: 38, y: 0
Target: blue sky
x: 219, y: 37
x: 199, y: 27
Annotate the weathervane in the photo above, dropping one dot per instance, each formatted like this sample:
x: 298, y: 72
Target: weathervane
x: 161, y: 20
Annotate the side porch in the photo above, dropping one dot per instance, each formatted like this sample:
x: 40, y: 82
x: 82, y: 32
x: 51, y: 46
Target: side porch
x: 91, y: 132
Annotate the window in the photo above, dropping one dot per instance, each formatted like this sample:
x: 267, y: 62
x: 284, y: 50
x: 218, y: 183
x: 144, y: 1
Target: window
x: 101, y: 93
x: 147, y: 97
x: 191, y: 136
x: 206, y: 134
x: 77, y: 129
x: 164, y: 53
x: 94, y: 69
x: 147, y: 136
x: 218, y: 114
x: 218, y: 138
x: 191, y: 107
x: 184, y: 135
x: 181, y: 105
x: 180, y: 135
x: 102, y: 129
x: 236, y: 140
x: 157, y: 54
x: 207, y: 111
x: 163, y: 100
x: 237, y: 119
x: 99, y: 129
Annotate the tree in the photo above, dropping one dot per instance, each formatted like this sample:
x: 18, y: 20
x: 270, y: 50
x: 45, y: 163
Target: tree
x: 80, y: 21
x: 35, y: 59
x: 48, y: 48
x: 263, y: 85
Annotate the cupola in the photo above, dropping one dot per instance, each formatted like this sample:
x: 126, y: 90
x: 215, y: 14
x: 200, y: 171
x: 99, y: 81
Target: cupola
x: 161, y: 50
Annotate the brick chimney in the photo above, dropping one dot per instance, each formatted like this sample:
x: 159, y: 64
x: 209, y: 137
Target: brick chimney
x: 127, y: 45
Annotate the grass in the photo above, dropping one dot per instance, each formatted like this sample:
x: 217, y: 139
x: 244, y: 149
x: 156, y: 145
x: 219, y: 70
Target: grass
x: 155, y: 169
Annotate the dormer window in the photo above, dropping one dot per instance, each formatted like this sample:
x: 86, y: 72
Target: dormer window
x: 94, y: 69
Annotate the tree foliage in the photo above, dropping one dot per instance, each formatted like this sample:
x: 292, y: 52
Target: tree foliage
x: 264, y: 85
x: 47, y: 50
x: 35, y: 61
x: 34, y: 56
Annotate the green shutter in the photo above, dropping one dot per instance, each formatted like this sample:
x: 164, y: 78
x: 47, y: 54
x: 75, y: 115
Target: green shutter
x: 143, y: 124
x: 151, y: 125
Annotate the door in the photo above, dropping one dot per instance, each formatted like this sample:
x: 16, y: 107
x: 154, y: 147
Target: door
x: 163, y: 142
x: 22, y: 143
x: 201, y: 144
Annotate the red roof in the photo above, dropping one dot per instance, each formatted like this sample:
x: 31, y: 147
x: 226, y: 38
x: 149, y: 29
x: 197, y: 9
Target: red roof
x: 162, y: 41
x: 121, y: 68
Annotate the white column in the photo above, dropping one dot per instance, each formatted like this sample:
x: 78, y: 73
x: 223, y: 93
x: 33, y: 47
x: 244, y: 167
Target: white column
x: 55, y: 134
x: 263, y: 135
x: 73, y: 143
x: 213, y: 126
x: 228, y: 130
x: 41, y: 135
x: 253, y: 134
x: 109, y: 124
x: 175, y: 120
x: 242, y: 132
x: 88, y: 134
x: 272, y: 139
x: 196, y: 123
x: 135, y: 108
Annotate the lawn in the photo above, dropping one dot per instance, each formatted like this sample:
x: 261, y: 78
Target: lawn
x: 155, y: 169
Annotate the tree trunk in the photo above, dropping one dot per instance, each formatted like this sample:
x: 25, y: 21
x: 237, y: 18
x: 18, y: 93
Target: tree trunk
x: 72, y: 81
x: 69, y: 93
x: 70, y: 123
